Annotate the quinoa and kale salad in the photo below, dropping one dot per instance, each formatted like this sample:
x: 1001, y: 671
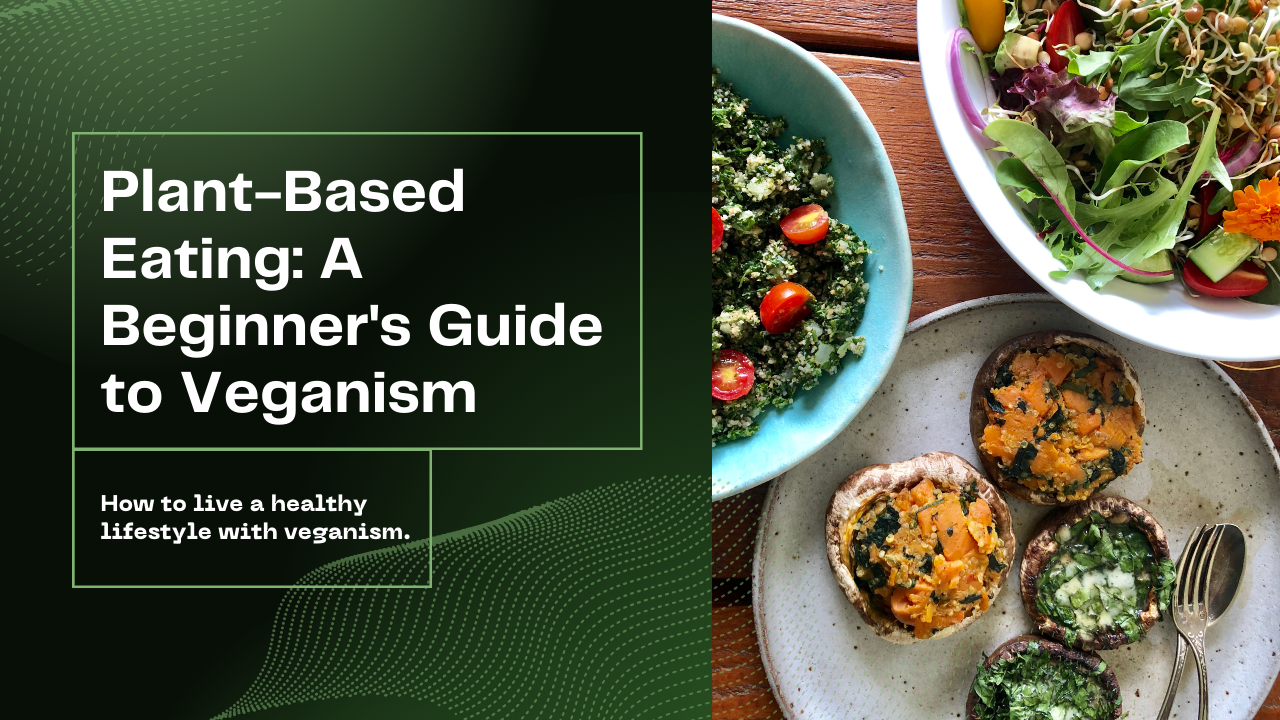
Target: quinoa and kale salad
x: 787, y: 285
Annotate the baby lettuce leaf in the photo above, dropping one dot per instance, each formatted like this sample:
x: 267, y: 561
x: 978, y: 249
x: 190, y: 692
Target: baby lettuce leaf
x: 1138, y: 148
x: 1139, y: 57
x: 1012, y: 172
x: 1125, y: 123
x: 1037, y: 154
x: 1162, y: 234
x: 1169, y: 91
x: 1088, y: 65
x: 1141, y: 206
x: 1218, y: 171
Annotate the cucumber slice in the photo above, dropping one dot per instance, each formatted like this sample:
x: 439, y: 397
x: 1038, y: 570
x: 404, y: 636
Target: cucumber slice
x: 1221, y: 252
x: 1159, y: 262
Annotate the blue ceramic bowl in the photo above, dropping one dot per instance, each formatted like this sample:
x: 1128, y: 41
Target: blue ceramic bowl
x: 781, y: 78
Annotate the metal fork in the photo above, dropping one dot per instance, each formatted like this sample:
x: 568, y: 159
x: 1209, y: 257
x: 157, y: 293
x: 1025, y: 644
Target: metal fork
x: 1191, y: 600
x: 1179, y: 657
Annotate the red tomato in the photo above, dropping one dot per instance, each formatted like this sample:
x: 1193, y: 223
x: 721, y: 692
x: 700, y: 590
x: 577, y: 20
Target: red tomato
x: 784, y: 307
x: 806, y: 224
x: 732, y: 375
x: 717, y: 229
x: 1244, y: 280
x: 1064, y: 26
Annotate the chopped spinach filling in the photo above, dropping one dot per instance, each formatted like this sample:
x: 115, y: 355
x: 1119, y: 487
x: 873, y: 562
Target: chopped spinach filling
x: 1034, y: 686
x: 1099, y: 579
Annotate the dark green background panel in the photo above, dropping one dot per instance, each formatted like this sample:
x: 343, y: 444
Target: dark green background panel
x: 289, y: 65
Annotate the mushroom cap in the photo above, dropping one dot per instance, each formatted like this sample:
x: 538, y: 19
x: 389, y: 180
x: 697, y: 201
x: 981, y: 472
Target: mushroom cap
x: 1044, y: 544
x: 986, y: 380
x: 1018, y: 645
x: 948, y: 472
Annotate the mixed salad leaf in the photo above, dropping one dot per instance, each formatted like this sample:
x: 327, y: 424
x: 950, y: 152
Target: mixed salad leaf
x: 1131, y: 125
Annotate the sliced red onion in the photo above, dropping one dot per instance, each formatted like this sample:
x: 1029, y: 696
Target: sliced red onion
x: 1238, y: 158
x: 962, y: 35
x: 1089, y: 241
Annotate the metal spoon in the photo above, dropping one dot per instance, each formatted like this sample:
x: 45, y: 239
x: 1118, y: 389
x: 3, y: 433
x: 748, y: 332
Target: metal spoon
x: 1225, y: 573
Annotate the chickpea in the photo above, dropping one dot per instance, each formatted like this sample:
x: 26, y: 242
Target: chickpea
x: 1253, y: 85
x: 1029, y: 5
x: 1103, y: 93
x: 1274, y: 133
x: 1124, y: 5
x: 1238, y: 25
x: 1255, y: 6
x: 1127, y: 34
x: 1194, y: 211
x: 1043, y: 57
x: 1108, y: 83
x: 1235, y: 120
x: 1141, y: 16
x: 1033, y: 35
x: 1268, y: 254
x: 1084, y: 41
x: 1271, y: 77
x: 1083, y: 164
x: 1194, y: 13
x: 1221, y: 22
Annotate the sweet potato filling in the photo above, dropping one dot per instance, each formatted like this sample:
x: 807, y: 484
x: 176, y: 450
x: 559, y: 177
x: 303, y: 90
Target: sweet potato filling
x: 1061, y: 421
x: 928, y: 557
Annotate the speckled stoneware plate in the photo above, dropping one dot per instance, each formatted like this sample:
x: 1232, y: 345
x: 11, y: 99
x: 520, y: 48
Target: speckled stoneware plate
x: 781, y: 78
x: 1207, y: 459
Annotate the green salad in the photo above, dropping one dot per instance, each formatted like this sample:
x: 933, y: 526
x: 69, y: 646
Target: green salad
x: 1099, y: 579
x: 1143, y: 135
x: 787, y: 285
x: 1033, y: 685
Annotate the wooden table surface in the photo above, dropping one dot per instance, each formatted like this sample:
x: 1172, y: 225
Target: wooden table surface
x: 871, y: 45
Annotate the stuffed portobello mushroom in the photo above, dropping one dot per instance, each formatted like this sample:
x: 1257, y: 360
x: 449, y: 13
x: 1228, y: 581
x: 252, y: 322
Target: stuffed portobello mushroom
x: 1056, y: 416
x: 920, y: 547
x: 1096, y: 575
x: 1032, y: 678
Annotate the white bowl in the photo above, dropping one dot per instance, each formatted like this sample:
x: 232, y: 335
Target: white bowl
x: 1161, y: 316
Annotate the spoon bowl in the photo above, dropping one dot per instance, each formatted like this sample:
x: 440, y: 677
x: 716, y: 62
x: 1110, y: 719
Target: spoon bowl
x: 1226, y: 571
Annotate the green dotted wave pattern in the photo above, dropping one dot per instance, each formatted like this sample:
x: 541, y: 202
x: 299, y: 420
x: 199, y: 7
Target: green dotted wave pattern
x: 591, y: 606
x: 97, y: 65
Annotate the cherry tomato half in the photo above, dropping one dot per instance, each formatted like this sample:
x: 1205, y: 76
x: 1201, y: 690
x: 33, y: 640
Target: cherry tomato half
x: 784, y: 307
x: 717, y: 229
x: 806, y: 224
x: 1064, y: 26
x: 732, y: 375
x: 1244, y: 280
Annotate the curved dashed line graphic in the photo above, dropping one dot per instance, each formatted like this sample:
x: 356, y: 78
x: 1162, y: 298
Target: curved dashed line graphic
x: 590, y: 606
x: 98, y: 65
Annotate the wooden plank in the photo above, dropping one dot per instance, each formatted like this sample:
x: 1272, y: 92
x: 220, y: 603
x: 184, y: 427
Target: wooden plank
x: 953, y: 255
x: 823, y: 25
x: 739, y: 687
x: 955, y: 259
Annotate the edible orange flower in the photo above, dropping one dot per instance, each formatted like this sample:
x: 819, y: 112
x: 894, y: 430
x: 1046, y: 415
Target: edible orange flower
x: 1257, y: 211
